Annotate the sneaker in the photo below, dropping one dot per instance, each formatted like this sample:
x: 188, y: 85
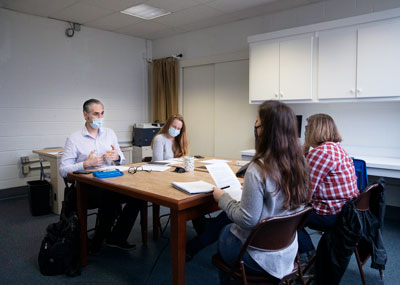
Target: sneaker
x: 121, y: 245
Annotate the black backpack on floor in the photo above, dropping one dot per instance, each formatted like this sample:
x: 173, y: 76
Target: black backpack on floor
x: 60, y: 251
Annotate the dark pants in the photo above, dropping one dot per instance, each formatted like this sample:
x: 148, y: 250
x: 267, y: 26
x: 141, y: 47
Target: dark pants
x: 109, y: 204
x: 210, y: 234
x: 314, y: 221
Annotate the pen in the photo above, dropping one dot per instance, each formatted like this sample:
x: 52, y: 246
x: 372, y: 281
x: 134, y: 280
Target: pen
x: 108, y: 154
x: 225, y: 187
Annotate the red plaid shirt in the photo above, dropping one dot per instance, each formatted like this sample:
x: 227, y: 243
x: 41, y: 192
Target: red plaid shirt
x: 333, y: 178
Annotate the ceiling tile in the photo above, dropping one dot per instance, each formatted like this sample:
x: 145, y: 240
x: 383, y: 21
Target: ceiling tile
x: 188, y: 16
x: 172, y: 5
x: 114, y: 5
x: 229, y: 6
x: 113, y: 21
x: 38, y: 7
x: 81, y: 13
x: 214, y: 21
x: 169, y: 32
x: 142, y: 28
x: 204, y: 1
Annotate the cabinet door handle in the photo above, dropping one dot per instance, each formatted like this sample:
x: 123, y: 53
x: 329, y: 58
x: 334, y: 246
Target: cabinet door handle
x: 276, y: 95
x: 281, y: 95
x: 352, y: 91
x: 359, y: 90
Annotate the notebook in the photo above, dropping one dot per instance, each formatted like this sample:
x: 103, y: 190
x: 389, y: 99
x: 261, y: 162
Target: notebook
x: 196, y: 187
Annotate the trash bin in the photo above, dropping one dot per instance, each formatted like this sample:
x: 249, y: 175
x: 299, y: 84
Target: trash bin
x: 39, y: 197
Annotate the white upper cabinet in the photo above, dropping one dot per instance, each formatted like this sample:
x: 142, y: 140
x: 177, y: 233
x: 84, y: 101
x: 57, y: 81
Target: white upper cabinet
x: 295, y: 72
x: 378, y: 64
x: 264, y: 71
x: 351, y: 59
x: 281, y: 69
x: 337, y: 61
x: 359, y: 61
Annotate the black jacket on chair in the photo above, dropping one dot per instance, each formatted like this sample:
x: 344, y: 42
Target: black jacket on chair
x: 362, y: 229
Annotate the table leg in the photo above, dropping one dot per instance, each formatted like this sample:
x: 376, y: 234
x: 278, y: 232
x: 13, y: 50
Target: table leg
x: 156, y: 221
x: 178, y: 246
x: 143, y: 220
x: 81, y: 194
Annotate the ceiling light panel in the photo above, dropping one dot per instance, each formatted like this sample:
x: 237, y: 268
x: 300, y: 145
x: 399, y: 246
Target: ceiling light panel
x: 146, y: 12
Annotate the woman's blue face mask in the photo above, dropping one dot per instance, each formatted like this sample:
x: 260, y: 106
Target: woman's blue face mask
x: 173, y: 132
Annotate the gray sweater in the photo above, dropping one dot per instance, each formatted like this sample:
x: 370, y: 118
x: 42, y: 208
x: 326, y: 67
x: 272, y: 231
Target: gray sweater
x: 259, y: 200
x: 162, y: 148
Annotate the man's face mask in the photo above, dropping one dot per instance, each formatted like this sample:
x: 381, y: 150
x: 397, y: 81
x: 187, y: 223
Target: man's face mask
x: 97, y: 123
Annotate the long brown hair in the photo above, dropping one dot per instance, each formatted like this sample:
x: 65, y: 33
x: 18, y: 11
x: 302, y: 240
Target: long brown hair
x: 279, y: 155
x: 321, y: 128
x: 181, y: 145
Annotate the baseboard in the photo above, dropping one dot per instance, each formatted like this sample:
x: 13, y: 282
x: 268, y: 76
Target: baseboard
x: 13, y: 192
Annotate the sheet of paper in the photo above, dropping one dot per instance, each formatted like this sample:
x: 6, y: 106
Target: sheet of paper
x: 223, y: 176
x: 212, y: 161
x: 111, y: 167
x: 155, y: 167
x: 169, y: 161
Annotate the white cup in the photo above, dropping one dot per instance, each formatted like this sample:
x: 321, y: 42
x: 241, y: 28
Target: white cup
x: 188, y: 163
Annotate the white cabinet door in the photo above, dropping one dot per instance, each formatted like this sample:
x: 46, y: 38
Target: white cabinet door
x: 337, y: 61
x: 264, y: 71
x: 296, y: 63
x: 378, y: 66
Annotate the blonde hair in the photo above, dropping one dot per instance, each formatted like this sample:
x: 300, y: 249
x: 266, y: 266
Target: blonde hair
x: 321, y: 128
x: 181, y: 146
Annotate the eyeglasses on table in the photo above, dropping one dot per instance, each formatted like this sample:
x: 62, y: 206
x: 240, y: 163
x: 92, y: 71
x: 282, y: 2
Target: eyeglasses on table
x: 133, y: 170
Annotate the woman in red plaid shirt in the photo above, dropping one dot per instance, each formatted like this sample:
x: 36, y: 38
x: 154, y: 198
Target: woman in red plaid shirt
x: 333, y: 177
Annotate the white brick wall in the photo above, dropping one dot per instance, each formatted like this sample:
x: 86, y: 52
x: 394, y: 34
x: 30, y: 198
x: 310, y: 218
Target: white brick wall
x: 45, y: 77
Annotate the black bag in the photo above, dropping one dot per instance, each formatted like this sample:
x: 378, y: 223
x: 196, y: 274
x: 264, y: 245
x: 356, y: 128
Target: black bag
x: 60, y: 251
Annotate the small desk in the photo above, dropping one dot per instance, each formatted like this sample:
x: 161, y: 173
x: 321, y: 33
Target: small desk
x: 376, y: 165
x: 57, y: 182
x: 154, y: 187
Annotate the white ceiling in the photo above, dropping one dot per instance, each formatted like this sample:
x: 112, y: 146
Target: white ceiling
x: 187, y: 15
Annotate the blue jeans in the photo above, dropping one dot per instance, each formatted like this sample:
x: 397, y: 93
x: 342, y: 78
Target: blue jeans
x: 318, y: 221
x: 229, y: 247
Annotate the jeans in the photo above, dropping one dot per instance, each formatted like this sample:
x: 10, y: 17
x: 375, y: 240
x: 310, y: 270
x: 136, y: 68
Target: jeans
x: 209, y: 236
x: 229, y: 247
x: 314, y: 221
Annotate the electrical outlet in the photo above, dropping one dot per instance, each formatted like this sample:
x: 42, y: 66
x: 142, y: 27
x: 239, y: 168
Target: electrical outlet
x: 24, y: 159
x: 25, y: 169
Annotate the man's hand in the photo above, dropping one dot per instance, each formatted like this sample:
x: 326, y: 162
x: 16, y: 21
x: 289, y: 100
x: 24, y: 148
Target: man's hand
x: 93, y: 161
x: 112, y: 155
x: 217, y: 193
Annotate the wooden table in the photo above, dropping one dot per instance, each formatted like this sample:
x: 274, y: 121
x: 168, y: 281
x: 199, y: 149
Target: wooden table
x: 154, y: 187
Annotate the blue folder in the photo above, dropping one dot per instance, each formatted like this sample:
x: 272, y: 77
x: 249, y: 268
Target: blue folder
x: 108, y: 173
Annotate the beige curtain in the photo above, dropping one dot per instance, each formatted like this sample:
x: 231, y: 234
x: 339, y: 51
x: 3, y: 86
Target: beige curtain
x: 165, y: 88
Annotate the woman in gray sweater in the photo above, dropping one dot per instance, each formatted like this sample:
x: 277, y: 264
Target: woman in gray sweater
x: 276, y: 184
x: 171, y: 141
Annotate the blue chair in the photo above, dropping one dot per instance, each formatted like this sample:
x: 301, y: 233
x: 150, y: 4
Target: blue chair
x: 361, y: 172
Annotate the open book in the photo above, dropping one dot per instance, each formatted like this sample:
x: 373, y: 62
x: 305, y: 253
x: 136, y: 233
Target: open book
x: 193, y: 187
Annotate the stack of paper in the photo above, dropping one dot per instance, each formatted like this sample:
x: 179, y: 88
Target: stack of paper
x: 194, y: 187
